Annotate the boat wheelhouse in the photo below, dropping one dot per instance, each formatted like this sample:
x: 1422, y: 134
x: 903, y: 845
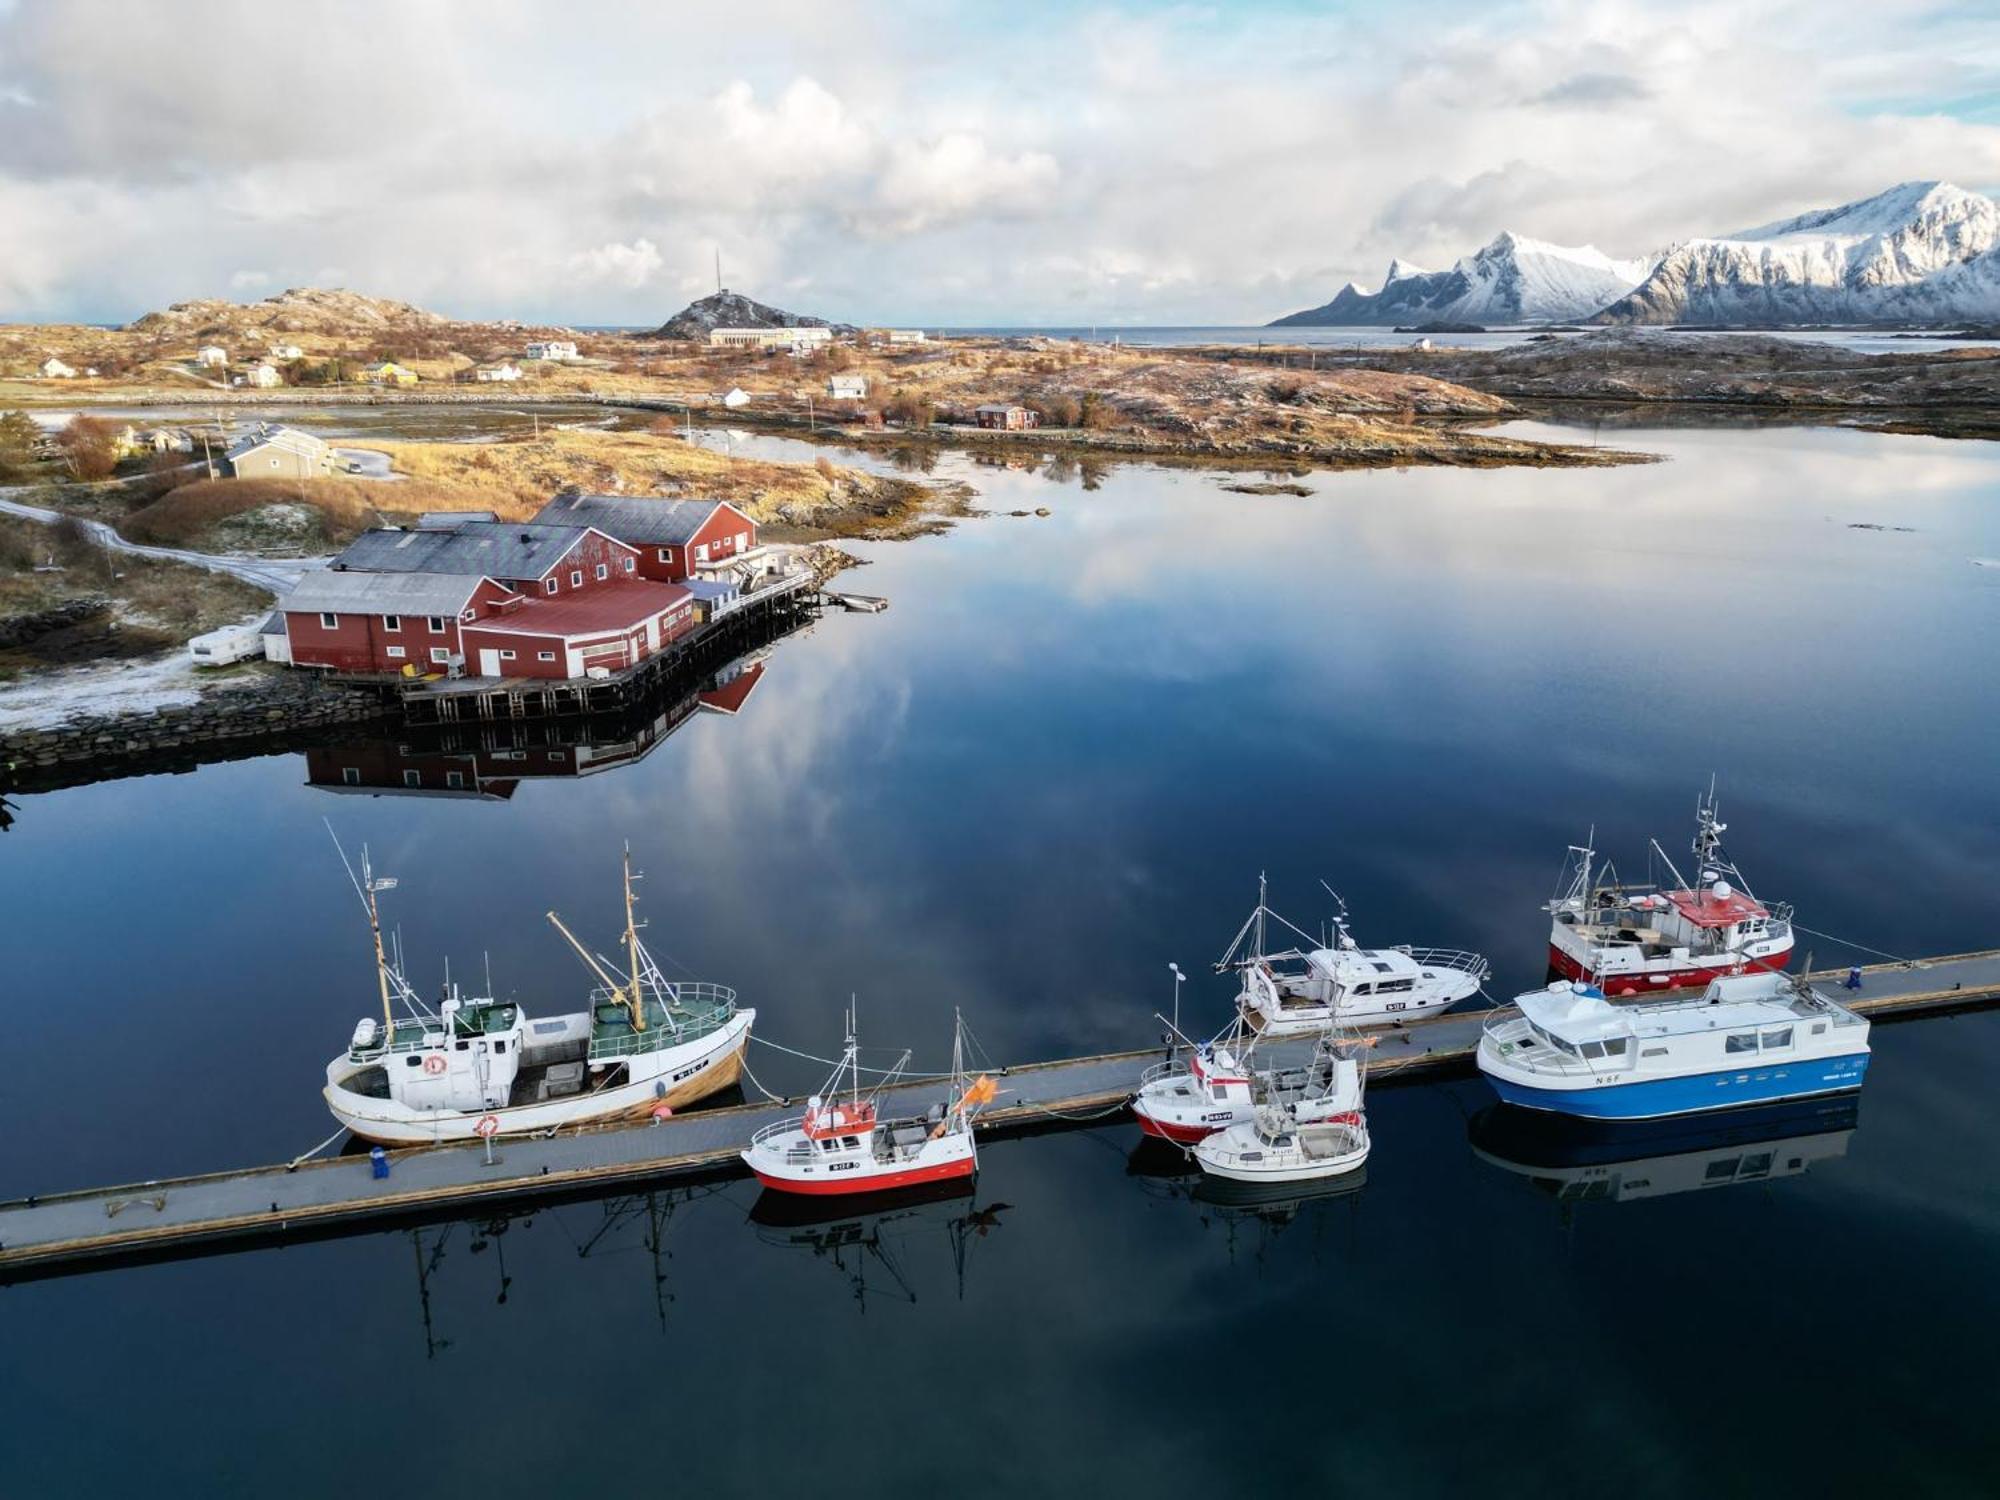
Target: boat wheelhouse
x: 1340, y: 983
x: 1637, y: 939
x: 478, y: 1067
x: 1217, y: 1087
x: 843, y: 1144
x: 1747, y: 1039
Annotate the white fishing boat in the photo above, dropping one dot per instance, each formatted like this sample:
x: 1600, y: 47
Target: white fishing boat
x: 843, y: 1144
x: 480, y: 1067
x: 1339, y: 982
x: 1216, y: 1085
x: 1640, y: 939
x: 1296, y: 1142
x: 1746, y: 1039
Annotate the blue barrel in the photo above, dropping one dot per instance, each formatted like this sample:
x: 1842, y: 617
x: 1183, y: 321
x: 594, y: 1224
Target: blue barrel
x: 1854, y: 977
x: 379, y: 1160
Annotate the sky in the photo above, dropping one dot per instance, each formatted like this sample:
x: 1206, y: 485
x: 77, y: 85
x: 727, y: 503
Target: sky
x: 947, y: 165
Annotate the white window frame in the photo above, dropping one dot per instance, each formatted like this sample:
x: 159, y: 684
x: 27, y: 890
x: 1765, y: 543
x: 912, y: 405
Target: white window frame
x: 396, y: 653
x: 506, y: 656
x: 666, y: 554
x: 603, y: 571
x: 328, y: 622
x: 549, y: 585
x: 413, y: 778
x: 576, y: 578
x: 392, y: 624
x: 545, y: 656
x: 631, y: 564
x: 441, y: 655
x: 350, y: 776
x: 436, y: 623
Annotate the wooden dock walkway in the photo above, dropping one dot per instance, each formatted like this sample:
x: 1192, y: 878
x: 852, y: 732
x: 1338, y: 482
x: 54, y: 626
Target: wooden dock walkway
x: 70, y: 1231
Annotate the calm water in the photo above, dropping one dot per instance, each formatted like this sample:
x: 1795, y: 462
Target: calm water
x: 1056, y: 763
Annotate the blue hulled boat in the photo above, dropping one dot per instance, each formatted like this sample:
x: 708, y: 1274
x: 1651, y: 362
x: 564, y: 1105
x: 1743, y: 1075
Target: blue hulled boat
x: 1746, y: 1039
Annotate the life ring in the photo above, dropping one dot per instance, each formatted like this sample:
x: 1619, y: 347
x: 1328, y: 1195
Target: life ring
x: 488, y: 1126
x: 435, y: 1064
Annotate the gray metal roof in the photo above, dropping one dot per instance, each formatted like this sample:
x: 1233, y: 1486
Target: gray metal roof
x: 509, y: 549
x: 323, y: 591
x: 711, y: 588
x: 450, y: 520
x: 644, y: 520
x: 304, y: 444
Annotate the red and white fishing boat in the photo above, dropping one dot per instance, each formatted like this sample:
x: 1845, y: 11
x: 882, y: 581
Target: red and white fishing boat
x: 1216, y: 1086
x: 1638, y: 939
x: 844, y: 1145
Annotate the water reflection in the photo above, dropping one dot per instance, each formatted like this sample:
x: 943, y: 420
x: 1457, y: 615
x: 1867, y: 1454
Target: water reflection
x: 1578, y: 1161
x: 867, y: 1241
x: 1250, y: 1215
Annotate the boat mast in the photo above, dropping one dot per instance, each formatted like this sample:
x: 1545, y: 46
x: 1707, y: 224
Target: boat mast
x: 590, y: 962
x: 370, y: 885
x: 637, y: 1003
x: 1262, y: 888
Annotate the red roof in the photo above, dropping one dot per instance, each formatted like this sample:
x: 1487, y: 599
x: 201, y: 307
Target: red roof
x: 1706, y: 909
x: 607, y: 610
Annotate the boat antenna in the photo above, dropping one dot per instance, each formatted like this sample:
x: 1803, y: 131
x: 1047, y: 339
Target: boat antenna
x: 1340, y: 915
x: 1262, y: 904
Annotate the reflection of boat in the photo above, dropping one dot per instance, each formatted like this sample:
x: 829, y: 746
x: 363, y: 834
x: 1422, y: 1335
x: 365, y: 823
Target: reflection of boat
x: 1630, y: 940
x: 1581, y: 1159
x: 1747, y: 1039
x: 483, y: 1067
x: 842, y: 1146
x: 857, y: 1233
x: 1303, y: 989
x: 1268, y: 1198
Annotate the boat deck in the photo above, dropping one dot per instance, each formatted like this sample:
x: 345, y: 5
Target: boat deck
x: 67, y: 1231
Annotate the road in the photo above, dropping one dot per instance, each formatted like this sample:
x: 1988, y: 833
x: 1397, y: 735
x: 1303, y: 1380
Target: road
x: 279, y: 577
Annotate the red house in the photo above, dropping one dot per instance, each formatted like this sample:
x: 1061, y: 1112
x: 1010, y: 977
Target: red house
x: 384, y: 622
x: 1006, y: 416
x: 611, y: 628
x: 675, y: 539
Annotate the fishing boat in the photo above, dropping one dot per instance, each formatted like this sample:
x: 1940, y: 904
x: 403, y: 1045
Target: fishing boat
x: 1341, y: 983
x: 1637, y: 939
x: 1216, y: 1086
x: 1297, y: 1141
x: 1746, y: 1039
x: 842, y: 1144
x: 481, y: 1067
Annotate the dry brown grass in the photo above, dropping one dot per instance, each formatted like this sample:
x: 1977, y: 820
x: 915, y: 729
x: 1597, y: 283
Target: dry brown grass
x: 186, y: 516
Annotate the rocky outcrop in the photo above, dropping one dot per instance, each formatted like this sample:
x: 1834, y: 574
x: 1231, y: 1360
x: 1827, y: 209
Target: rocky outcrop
x: 728, y: 309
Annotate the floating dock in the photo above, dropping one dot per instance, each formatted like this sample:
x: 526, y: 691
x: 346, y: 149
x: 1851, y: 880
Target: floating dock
x: 60, y: 1233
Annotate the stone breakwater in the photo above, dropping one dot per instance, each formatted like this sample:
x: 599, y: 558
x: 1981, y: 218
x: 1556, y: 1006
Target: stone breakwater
x: 285, y: 704
x: 18, y: 630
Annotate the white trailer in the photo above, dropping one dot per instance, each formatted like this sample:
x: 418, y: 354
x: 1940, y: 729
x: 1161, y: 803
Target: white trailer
x: 227, y: 646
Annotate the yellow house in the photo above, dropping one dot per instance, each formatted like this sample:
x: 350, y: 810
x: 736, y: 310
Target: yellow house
x: 389, y: 373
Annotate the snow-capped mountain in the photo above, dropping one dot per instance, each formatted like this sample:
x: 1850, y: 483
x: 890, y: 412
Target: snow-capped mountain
x: 1923, y: 252
x: 1512, y: 280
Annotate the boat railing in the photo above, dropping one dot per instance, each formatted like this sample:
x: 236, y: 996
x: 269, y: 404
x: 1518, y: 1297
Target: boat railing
x: 1173, y: 1067
x: 1449, y: 958
x: 793, y: 1126
x: 669, y: 1032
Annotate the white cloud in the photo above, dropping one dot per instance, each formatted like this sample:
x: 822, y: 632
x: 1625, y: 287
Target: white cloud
x: 1182, y: 165
x: 249, y: 281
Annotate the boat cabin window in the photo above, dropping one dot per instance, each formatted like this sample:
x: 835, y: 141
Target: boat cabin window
x: 1365, y: 989
x: 1653, y: 1052
x: 498, y: 1048
x: 1779, y: 1038
x: 850, y: 1141
x: 412, y: 1061
x: 1819, y: 1028
x: 1742, y: 1041
x: 462, y: 1046
x: 1380, y: 967
x: 1395, y: 986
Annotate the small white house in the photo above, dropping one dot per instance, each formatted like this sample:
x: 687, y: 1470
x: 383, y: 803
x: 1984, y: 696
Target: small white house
x: 55, y: 369
x: 905, y: 335
x: 737, y: 397
x: 213, y: 355
x: 287, y: 351
x: 556, y: 349
x: 847, y: 387
x: 263, y: 376
x: 501, y: 371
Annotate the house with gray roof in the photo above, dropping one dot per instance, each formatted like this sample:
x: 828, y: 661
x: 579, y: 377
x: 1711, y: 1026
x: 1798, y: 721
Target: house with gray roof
x: 675, y: 539
x: 279, y: 453
x: 386, y: 622
x: 528, y: 556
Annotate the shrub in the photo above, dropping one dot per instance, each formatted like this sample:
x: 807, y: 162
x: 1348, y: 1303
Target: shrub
x: 90, y: 447
x: 17, y: 445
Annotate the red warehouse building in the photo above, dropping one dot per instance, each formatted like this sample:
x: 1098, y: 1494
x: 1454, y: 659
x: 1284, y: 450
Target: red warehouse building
x: 609, y: 628
x: 385, y: 622
x: 676, y: 539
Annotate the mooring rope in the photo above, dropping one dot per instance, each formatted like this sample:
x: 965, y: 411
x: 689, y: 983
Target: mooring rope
x: 306, y: 1156
x: 757, y: 1083
x: 834, y: 1062
x: 1857, y: 947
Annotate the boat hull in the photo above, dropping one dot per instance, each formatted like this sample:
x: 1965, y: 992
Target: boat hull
x: 853, y: 1186
x: 1697, y: 1093
x: 717, y: 1067
x: 1564, y: 965
x: 1180, y: 1135
x: 1303, y: 1172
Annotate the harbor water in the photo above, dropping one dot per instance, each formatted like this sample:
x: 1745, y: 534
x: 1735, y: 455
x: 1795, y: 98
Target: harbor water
x: 1059, y: 761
